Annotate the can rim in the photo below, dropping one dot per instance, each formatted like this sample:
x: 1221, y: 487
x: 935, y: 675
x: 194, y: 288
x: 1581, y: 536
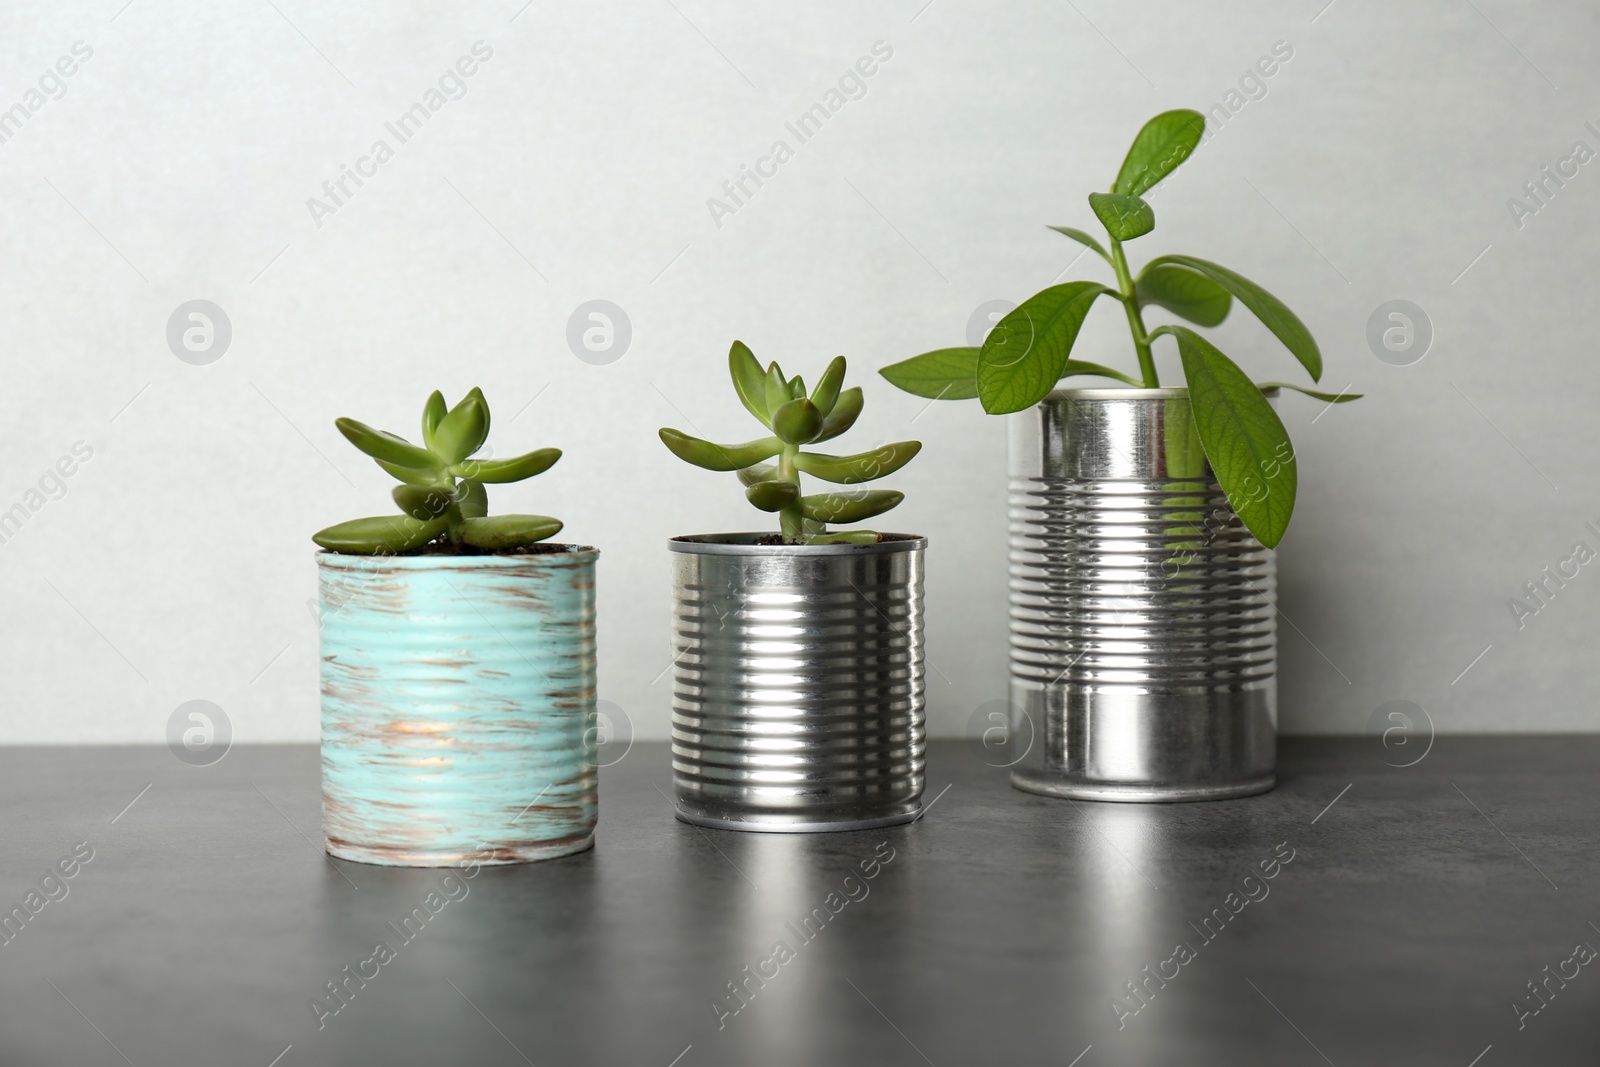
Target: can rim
x: 742, y: 544
x: 569, y: 555
x: 1129, y: 393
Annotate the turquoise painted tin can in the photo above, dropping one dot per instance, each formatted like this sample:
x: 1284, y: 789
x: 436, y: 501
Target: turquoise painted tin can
x: 458, y: 706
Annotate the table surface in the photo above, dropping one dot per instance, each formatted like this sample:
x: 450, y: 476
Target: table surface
x: 1003, y: 928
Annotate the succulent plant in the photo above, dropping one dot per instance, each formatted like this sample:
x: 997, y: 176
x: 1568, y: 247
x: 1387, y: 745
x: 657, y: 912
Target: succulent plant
x: 1030, y: 349
x: 797, y: 419
x: 442, y: 494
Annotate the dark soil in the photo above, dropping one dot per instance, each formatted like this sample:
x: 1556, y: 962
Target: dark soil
x: 777, y: 539
x: 445, y: 548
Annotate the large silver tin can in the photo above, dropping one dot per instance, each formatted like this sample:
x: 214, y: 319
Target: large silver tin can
x: 797, y: 702
x: 1143, y: 619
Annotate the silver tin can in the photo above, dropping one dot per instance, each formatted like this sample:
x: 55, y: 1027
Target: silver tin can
x: 1143, y: 619
x: 797, y: 701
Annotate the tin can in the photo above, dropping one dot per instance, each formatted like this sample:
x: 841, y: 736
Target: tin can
x: 798, y: 701
x: 1143, y: 621
x: 458, y: 706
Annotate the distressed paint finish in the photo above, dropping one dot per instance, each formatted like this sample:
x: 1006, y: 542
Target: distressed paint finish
x: 458, y: 704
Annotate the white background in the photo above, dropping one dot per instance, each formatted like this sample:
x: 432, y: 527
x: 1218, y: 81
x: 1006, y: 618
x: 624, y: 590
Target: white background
x: 178, y: 163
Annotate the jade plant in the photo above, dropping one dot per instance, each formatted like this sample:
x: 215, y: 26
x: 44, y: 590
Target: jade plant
x: 442, y: 496
x: 797, y: 419
x: 1030, y: 349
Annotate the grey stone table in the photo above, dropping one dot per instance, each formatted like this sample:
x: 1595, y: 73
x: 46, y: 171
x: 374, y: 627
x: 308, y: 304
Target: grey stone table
x: 1406, y: 912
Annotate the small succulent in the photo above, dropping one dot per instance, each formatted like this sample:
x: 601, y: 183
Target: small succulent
x: 441, y: 491
x: 797, y: 419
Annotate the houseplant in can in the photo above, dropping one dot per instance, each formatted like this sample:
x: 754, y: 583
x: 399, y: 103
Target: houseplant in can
x: 458, y: 662
x: 1143, y: 631
x: 798, y: 660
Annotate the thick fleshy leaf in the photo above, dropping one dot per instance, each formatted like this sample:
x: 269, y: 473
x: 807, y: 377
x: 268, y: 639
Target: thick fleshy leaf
x: 1163, y: 143
x: 1273, y: 313
x: 843, y: 416
x: 381, y: 444
x: 1026, y: 353
x: 749, y: 380
x: 433, y: 413
x: 510, y: 469
x: 415, y: 475
x: 1184, y: 292
x: 463, y: 430
x: 796, y: 422
x: 827, y: 390
x: 508, y: 531
x: 1124, y: 217
x: 761, y: 472
x: 797, y: 387
x: 380, y: 535
x: 775, y: 388
x: 1245, y: 442
x: 943, y: 374
x: 1331, y: 398
x: 1084, y: 238
x: 423, y: 502
x: 772, y: 496
x: 846, y: 537
x: 861, y: 467
x: 715, y: 457
x: 850, y: 506
x: 472, y: 498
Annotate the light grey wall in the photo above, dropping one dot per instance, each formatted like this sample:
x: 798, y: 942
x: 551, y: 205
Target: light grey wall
x: 1374, y: 165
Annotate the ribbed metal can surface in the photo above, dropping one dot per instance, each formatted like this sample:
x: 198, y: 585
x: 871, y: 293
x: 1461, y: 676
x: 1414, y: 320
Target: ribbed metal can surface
x: 1143, y: 619
x: 797, y: 700
x: 458, y: 707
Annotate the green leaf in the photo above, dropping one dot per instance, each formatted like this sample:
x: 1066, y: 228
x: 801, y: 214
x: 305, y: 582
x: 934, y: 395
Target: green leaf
x: 381, y: 444
x: 1183, y: 292
x: 1247, y: 446
x: 827, y: 390
x: 472, y: 498
x: 511, y: 469
x: 845, y: 537
x: 797, y: 387
x: 1284, y: 324
x: 380, y: 535
x: 463, y: 429
x: 943, y: 374
x: 775, y: 388
x: 1163, y: 143
x: 852, y: 506
x: 796, y: 422
x: 508, y: 531
x: 843, y: 415
x: 1026, y: 353
x: 749, y: 381
x: 415, y: 475
x: 772, y: 496
x: 715, y: 457
x: 433, y: 413
x: 861, y: 467
x: 1332, y: 398
x: 1083, y: 238
x: 761, y: 472
x: 1124, y: 217
x: 423, y: 502
x: 1083, y: 366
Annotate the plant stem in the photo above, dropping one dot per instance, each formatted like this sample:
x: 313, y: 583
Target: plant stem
x: 1130, y: 304
x: 790, y: 521
x: 453, y: 518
